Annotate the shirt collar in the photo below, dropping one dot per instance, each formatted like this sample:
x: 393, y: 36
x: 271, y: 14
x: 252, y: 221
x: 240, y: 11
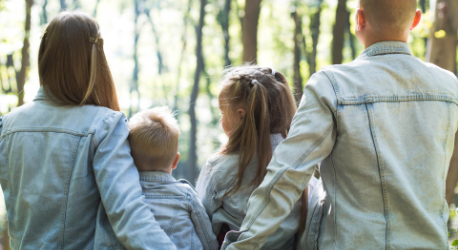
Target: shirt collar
x: 386, y: 47
x: 156, y: 176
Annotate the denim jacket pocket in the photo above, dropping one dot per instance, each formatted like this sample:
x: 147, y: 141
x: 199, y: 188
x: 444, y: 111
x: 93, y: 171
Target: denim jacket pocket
x: 314, y: 229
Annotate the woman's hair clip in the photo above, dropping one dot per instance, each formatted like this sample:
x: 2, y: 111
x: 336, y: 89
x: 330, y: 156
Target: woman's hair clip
x: 97, y: 41
x: 44, y: 33
x: 273, y: 72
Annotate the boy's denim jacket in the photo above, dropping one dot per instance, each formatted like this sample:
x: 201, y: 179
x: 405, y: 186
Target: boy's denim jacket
x: 178, y: 210
x: 383, y: 127
x: 215, y: 179
x: 58, y: 165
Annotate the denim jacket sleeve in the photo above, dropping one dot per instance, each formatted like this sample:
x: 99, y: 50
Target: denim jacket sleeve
x: 202, y: 224
x: 310, y: 140
x: 1, y: 124
x: 206, y: 188
x: 120, y: 190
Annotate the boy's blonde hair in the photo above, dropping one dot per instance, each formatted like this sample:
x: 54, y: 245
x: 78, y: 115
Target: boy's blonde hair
x: 153, y: 138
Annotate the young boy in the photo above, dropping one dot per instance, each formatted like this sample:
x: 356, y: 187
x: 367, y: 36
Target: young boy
x: 383, y: 128
x: 153, y: 139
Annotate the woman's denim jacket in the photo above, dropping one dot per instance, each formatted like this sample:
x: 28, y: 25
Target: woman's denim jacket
x: 215, y: 179
x: 58, y: 165
x: 383, y: 127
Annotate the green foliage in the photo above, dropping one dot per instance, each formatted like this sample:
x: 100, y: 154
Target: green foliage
x: 455, y: 243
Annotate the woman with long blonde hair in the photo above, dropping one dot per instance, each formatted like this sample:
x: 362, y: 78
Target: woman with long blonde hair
x: 65, y: 165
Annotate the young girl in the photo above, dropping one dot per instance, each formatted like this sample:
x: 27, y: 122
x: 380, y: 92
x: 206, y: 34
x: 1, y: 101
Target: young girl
x: 257, y: 108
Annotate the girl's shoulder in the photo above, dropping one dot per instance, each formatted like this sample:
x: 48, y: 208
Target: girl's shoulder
x: 221, y: 160
x: 221, y: 166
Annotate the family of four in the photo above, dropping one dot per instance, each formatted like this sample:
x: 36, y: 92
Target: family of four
x: 76, y: 174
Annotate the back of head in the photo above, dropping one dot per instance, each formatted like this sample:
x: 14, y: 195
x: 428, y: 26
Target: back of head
x: 389, y: 17
x: 270, y: 107
x: 153, y: 138
x: 71, y: 62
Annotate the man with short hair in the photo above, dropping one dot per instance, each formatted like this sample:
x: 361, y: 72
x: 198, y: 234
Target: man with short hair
x: 383, y: 128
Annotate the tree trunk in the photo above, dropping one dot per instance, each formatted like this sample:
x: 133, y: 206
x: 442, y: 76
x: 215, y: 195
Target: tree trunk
x: 134, y: 84
x: 160, y: 60
x: 351, y: 38
x: 94, y: 14
x: 298, y: 39
x: 25, y: 54
x: 442, y: 52
x: 63, y: 5
x: 6, y: 237
x: 250, y: 30
x: 192, y: 158
x: 315, y: 28
x: 423, y: 10
x: 10, y: 88
x: 76, y: 5
x: 10, y: 64
x: 44, y: 14
x: 223, y: 19
x: 180, y: 62
x: 339, y: 31
x: 443, y: 38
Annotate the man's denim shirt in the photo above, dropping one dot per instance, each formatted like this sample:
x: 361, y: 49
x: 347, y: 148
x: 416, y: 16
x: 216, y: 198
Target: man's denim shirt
x: 383, y: 127
x: 216, y: 178
x: 178, y: 210
x: 58, y: 165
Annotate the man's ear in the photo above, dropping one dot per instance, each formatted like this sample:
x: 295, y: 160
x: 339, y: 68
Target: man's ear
x: 416, y: 20
x: 241, y: 112
x: 360, y: 19
x: 175, y: 162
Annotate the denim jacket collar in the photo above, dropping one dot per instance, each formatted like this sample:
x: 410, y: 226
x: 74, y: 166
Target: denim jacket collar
x: 40, y: 94
x: 386, y: 47
x: 156, y: 176
x: 45, y: 95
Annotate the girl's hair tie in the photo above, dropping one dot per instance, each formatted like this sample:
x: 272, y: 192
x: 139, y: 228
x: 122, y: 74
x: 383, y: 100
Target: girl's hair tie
x: 253, y: 82
x: 273, y: 72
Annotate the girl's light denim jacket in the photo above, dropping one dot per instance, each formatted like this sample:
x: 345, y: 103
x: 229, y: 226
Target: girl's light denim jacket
x: 215, y: 179
x: 178, y: 210
x: 59, y: 164
x: 383, y: 128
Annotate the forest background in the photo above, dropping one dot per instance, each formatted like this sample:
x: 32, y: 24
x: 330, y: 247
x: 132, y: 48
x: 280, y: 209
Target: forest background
x: 172, y: 52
